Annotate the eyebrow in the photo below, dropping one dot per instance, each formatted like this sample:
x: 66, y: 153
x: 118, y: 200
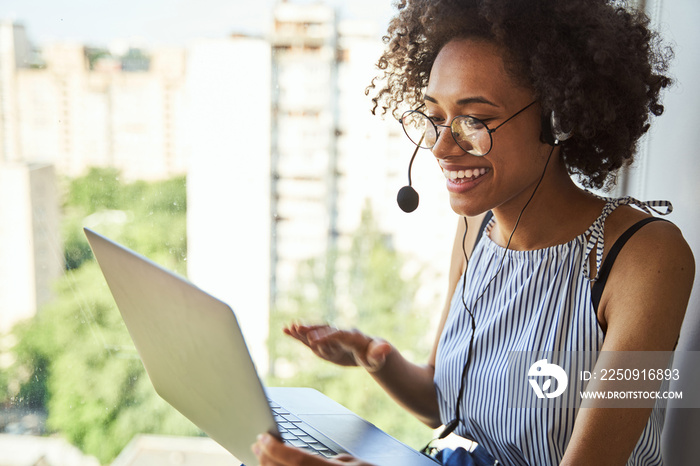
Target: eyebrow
x: 465, y: 101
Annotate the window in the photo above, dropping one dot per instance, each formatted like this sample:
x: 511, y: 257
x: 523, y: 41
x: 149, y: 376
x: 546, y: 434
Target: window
x: 171, y: 150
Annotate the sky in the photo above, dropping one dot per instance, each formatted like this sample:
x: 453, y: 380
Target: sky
x: 156, y: 22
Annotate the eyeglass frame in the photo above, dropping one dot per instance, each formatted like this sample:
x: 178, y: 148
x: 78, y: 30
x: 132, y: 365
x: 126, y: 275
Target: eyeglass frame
x: 437, y: 132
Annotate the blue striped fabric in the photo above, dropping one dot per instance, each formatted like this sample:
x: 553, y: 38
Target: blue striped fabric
x: 540, y: 301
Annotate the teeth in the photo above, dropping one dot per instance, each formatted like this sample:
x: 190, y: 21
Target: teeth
x: 475, y: 173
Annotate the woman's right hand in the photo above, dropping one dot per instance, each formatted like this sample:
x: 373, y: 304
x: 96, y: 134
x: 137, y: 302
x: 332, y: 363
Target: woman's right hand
x: 272, y: 452
x: 342, y: 347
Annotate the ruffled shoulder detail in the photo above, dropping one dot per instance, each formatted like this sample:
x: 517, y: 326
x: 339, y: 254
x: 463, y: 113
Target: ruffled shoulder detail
x: 595, y: 232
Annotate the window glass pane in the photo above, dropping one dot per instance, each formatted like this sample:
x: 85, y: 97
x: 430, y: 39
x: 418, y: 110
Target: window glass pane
x: 232, y: 145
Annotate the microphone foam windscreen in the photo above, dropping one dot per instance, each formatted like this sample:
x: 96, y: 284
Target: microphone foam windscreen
x: 407, y: 198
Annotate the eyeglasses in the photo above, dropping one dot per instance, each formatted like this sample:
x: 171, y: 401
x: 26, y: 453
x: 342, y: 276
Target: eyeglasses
x: 471, y: 134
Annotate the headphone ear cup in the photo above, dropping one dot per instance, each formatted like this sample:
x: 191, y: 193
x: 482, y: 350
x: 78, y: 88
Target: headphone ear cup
x: 552, y: 133
x: 557, y: 132
x: 547, y: 135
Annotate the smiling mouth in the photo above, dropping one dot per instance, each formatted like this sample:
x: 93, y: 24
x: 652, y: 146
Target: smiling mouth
x: 464, y: 175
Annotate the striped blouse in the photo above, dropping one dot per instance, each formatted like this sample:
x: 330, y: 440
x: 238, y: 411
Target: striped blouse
x: 539, y: 301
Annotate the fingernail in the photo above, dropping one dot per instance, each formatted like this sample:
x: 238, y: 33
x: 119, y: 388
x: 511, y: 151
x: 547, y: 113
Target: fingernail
x: 265, y: 438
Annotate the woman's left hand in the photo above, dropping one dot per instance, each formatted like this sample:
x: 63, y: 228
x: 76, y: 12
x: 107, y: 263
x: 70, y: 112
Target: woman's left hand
x: 272, y: 452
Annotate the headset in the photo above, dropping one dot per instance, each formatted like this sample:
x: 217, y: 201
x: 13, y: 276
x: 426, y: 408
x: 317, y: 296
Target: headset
x: 407, y: 199
x: 552, y: 134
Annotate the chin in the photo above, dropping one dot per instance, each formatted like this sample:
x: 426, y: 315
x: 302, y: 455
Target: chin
x: 466, y: 208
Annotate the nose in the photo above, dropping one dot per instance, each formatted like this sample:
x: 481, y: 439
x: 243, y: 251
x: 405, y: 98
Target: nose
x: 445, y: 144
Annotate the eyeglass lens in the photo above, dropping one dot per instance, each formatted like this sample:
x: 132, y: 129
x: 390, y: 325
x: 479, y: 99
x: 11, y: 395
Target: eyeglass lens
x: 469, y: 133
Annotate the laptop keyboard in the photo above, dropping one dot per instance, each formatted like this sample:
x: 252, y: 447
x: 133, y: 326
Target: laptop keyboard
x: 290, y: 428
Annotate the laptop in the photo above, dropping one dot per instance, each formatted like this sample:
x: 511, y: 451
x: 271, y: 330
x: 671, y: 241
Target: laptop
x: 197, y: 360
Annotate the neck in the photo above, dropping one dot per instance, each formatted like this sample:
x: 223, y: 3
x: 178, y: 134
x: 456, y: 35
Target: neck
x: 558, y: 212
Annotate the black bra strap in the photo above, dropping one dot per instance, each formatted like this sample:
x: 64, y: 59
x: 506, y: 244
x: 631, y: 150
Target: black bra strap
x: 483, y: 225
x: 599, y: 285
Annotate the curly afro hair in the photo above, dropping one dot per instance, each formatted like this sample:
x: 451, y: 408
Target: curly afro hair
x: 595, y: 63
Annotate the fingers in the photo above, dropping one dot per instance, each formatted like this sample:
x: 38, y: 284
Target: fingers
x: 331, y: 350
x: 348, y: 348
x: 302, y: 332
x: 315, y: 337
x: 328, y: 343
x: 309, y: 335
x: 365, y: 351
x: 377, y: 352
x: 272, y: 452
x: 369, y: 353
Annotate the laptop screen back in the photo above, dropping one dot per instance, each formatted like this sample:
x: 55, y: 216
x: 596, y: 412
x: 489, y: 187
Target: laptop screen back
x: 191, y: 346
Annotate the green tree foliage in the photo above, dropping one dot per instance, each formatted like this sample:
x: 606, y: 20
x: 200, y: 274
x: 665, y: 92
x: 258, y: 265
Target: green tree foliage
x: 148, y: 217
x: 379, y: 302
x: 75, y: 359
x: 84, y: 370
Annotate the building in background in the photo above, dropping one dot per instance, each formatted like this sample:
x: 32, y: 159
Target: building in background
x: 15, y: 54
x: 228, y: 181
x: 77, y: 107
x: 158, y: 450
x: 91, y: 108
x: 23, y: 450
x: 63, y: 111
x: 30, y: 247
x: 304, y: 156
x: 285, y: 154
x: 275, y: 134
x: 331, y: 157
x: 373, y: 155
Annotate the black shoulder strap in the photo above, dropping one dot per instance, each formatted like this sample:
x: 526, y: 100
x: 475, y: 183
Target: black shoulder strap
x: 599, y: 285
x: 482, y: 227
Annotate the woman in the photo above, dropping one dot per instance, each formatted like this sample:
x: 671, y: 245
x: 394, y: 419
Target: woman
x: 513, y: 98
